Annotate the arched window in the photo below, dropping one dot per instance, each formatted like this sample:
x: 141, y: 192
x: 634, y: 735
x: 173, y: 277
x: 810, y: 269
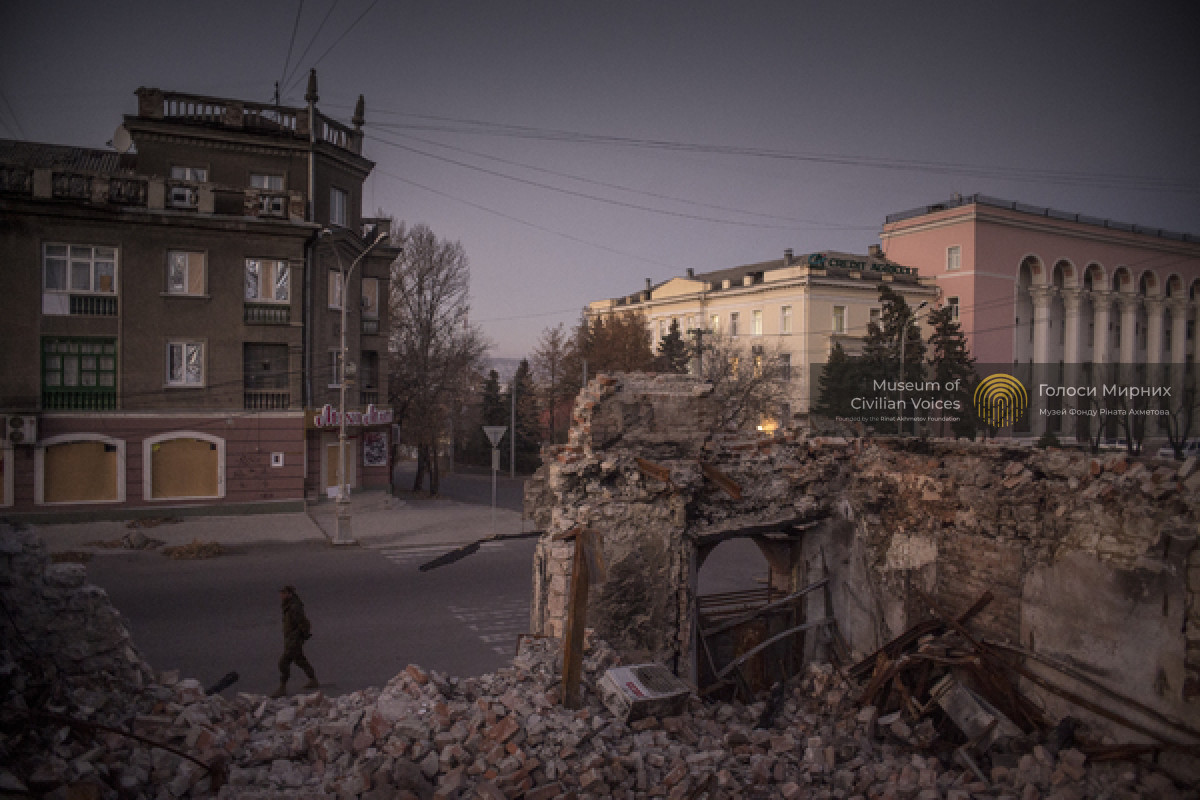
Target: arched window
x: 79, y: 468
x: 183, y: 465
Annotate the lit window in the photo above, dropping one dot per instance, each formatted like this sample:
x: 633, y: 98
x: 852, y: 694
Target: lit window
x: 756, y: 319
x: 337, y: 207
x: 954, y: 257
x: 785, y: 319
x: 733, y: 323
x: 370, y: 298
x: 952, y: 304
x: 272, y: 183
x: 335, y: 289
x: 79, y: 268
x: 185, y: 363
x: 185, y: 272
x: 268, y: 281
x: 839, y: 319
x: 715, y: 323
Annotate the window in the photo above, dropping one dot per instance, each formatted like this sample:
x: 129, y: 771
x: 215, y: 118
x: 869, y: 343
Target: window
x: 335, y: 289
x: 715, y: 323
x: 183, y: 464
x: 733, y: 323
x: 185, y: 363
x: 756, y: 320
x: 662, y: 328
x: 877, y: 317
x: 954, y: 257
x: 79, y: 268
x: 839, y: 319
x: 335, y: 369
x: 79, y: 468
x: 268, y: 281
x: 785, y: 319
x: 193, y: 174
x: 337, y: 207
x: 370, y: 298
x: 79, y: 374
x: 272, y: 183
x: 952, y: 304
x: 368, y: 372
x: 691, y: 323
x: 785, y: 366
x: 185, y: 272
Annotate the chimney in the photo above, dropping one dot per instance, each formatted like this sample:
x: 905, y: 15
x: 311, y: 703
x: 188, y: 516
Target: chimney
x: 875, y: 251
x: 648, y: 284
x: 788, y: 255
x: 691, y: 272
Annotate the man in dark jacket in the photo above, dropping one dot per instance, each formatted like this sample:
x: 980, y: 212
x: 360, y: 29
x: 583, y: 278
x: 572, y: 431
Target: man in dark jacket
x: 296, y: 629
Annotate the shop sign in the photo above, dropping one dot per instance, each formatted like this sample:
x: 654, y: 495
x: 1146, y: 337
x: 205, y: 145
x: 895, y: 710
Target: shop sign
x: 821, y: 261
x: 329, y: 417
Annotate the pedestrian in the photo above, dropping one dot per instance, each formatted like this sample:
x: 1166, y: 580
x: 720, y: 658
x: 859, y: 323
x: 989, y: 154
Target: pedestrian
x: 296, y: 630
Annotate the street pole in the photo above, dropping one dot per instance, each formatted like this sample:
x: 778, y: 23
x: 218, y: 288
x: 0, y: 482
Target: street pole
x: 494, y: 433
x: 343, y: 532
x: 512, y: 444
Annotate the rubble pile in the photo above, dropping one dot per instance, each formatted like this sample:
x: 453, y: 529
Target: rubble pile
x: 107, y: 732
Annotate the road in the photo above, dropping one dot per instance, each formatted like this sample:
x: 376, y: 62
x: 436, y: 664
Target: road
x: 372, y: 611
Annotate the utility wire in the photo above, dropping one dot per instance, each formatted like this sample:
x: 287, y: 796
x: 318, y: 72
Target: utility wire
x: 13, y: 114
x: 288, y: 80
x: 288, y: 60
x: 345, y: 33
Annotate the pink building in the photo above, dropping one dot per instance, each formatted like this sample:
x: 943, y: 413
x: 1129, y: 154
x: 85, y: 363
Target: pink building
x: 1056, y: 291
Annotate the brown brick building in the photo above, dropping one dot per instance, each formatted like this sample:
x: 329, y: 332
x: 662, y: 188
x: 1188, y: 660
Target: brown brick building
x: 172, y: 313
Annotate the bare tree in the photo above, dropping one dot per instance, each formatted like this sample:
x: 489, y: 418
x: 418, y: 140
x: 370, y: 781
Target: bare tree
x: 750, y: 383
x: 434, y: 349
x: 549, y: 361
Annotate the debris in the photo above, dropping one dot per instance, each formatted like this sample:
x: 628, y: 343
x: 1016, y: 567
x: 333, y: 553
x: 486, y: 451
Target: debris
x: 645, y: 690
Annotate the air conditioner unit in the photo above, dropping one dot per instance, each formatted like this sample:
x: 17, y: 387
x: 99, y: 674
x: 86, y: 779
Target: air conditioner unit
x: 272, y: 206
x: 21, y: 429
x: 184, y: 197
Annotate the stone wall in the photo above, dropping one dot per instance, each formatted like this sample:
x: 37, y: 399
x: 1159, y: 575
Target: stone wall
x: 1091, y: 560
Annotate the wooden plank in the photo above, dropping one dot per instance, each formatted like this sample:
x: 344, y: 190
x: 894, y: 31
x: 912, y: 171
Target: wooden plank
x: 572, y: 669
x: 733, y: 623
x: 656, y: 471
x: 746, y: 656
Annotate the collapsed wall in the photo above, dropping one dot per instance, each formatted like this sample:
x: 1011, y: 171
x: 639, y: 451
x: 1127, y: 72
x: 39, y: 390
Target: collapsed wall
x: 1091, y: 561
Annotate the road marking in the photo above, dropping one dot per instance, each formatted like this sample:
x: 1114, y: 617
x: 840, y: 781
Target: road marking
x: 402, y: 554
x: 497, y: 625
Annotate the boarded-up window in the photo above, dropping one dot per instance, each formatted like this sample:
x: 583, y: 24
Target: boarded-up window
x: 184, y: 467
x: 80, y: 472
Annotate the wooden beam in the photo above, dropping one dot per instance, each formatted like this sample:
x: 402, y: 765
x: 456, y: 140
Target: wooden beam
x: 715, y: 475
x: 758, y: 612
x: 656, y: 471
x: 572, y: 669
x: 746, y: 656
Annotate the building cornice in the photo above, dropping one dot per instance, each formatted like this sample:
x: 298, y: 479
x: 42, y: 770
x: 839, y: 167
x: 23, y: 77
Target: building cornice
x: 64, y: 210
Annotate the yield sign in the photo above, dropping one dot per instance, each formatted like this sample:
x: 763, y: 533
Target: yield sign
x: 495, y: 433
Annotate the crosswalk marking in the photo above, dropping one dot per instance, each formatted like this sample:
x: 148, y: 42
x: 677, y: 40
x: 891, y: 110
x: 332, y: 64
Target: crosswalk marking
x: 402, y: 554
x: 496, y: 625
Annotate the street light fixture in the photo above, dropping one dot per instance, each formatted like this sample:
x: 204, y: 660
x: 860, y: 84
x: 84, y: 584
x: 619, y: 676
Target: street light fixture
x: 903, y: 338
x: 343, y: 533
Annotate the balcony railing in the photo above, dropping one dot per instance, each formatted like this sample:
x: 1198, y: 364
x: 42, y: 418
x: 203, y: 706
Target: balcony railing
x: 93, y: 305
x: 370, y: 327
x: 266, y: 399
x: 79, y: 399
x: 71, y: 186
x: 16, y: 180
x: 127, y: 192
x: 368, y: 398
x: 267, y: 314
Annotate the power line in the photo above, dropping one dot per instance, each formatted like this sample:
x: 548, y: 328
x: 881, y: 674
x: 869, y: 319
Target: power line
x: 288, y: 59
x: 13, y: 114
x: 288, y: 80
x: 345, y: 33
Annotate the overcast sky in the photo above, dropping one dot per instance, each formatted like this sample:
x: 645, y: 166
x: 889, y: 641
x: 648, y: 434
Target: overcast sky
x: 576, y: 149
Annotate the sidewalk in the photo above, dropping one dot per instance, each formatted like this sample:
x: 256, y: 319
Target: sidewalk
x: 376, y: 517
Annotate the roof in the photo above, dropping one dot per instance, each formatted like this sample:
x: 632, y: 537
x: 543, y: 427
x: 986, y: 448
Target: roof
x: 1068, y: 216
x: 36, y: 155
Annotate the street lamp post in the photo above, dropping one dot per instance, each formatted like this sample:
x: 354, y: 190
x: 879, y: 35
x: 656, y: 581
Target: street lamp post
x: 903, y: 338
x: 343, y: 533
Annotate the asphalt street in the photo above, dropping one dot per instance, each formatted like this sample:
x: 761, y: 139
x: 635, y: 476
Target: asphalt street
x: 372, y: 611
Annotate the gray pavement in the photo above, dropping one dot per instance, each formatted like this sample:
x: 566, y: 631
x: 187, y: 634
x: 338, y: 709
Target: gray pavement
x: 376, y: 517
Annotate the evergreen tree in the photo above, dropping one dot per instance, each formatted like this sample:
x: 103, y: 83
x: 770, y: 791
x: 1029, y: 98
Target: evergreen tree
x: 673, y: 352
x: 840, y: 382
x: 950, y: 360
x: 491, y: 412
x: 881, y: 347
x: 525, y: 437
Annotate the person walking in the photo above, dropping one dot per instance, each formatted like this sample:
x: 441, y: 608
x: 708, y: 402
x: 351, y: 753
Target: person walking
x: 296, y: 630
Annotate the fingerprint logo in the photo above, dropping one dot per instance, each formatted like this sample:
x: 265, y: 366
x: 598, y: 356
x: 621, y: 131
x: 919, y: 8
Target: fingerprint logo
x: 1000, y: 400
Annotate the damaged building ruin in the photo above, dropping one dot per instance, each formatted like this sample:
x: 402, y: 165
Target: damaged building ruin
x: 1088, y: 562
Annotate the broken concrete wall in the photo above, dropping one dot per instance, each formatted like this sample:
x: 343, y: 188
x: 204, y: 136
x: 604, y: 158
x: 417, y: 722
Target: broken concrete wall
x: 1092, y: 561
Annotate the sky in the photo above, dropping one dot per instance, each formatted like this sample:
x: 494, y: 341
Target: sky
x: 577, y: 149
